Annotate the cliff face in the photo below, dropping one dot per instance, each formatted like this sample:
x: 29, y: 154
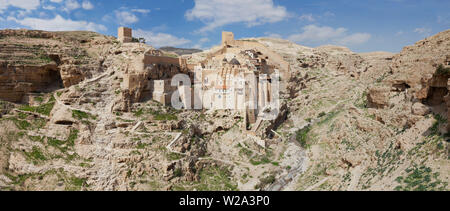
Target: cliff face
x: 419, y: 72
x: 415, y: 62
x: 38, y: 61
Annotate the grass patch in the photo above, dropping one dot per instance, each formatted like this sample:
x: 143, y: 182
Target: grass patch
x: 260, y: 160
x: 302, y: 135
x: 328, y: 117
x: 265, y: 181
x: 442, y: 71
x: 76, y: 184
x: 44, y: 109
x: 216, y: 179
x: 434, y: 130
x: 174, y: 156
x: 80, y: 115
x: 158, y: 115
x: 420, y: 179
x: 36, y: 155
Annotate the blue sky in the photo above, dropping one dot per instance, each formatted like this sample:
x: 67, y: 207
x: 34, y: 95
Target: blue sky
x: 361, y: 25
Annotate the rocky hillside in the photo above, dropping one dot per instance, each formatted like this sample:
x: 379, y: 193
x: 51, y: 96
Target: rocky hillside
x: 180, y: 51
x: 37, y: 61
x: 69, y: 121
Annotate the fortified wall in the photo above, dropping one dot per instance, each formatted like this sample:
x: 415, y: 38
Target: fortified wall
x: 228, y: 41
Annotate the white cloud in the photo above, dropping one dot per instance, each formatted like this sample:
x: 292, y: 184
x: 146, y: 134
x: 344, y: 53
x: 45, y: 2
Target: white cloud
x: 218, y: 13
x: 203, y: 40
x: 49, y: 7
x: 307, y: 17
x: 87, y: 5
x: 58, y: 24
x: 424, y: 31
x: 197, y: 46
x: 313, y: 33
x: 272, y: 35
x: 316, y: 35
x: 56, y: 1
x: 23, y: 4
x: 125, y: 17
x: 399, y: 33
x: 355, y: 39
x: 200, y: 43
x: 143, y: 11
x: 160, y: 39
x: 443, y: 19
x: 71, y: 5
x: 328, y: 14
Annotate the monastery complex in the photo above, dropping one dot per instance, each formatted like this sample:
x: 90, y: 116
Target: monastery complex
x: 240, y: 75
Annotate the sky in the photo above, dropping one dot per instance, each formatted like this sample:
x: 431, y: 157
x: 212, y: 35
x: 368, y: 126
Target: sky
x: 361, y: 25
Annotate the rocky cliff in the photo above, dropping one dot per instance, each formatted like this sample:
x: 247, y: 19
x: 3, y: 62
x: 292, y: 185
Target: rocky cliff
x: 38, y: 61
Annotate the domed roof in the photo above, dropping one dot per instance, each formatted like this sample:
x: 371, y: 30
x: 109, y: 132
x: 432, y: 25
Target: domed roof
x: 234, y: 61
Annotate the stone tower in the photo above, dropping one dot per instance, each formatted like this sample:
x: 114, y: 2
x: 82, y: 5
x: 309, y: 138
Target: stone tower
x: 227, y: 38
x: 125, y: 34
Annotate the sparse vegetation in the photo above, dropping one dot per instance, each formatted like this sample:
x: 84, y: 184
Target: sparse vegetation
x: 36, y: 155
x: 44, y: 109
x: 420, y: 179
x: 265, y: 181
x: 80, y: 115
x: 443, y: 71
x: 302, y: 136
x: 216, y: 178
x: 158, y: 115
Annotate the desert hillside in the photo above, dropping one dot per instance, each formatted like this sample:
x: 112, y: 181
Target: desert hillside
x: 70, y: 119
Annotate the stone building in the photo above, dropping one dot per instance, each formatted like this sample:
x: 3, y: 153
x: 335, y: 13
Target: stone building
x: 227, y: 38
x: 235, y: 77
x: 125, y: 35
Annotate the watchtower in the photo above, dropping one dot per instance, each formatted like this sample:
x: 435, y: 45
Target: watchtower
x: 227, y: 38
x: 125, y: 34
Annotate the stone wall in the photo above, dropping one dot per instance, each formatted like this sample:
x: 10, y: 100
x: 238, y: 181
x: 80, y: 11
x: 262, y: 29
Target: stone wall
x: 150, y: 59
x: 273, y: 57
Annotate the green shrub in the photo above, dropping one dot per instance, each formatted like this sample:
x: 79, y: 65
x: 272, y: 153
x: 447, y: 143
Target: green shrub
x: 302, y: 136
x: 265, y: 181
x: 80, y: 115
x: 35, y: 155
x: 178, y: 172
x: 442, y: 71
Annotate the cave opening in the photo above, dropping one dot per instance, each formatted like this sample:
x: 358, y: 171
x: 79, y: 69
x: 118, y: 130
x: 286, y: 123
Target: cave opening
x: 51, y: 80
x: 401, y: 87
x: 436, y: 96
x: 64, y: 122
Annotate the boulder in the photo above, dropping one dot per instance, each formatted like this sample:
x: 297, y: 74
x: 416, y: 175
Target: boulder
x: 61, y: 115
x: 420, y: 109
x: 378, y: 97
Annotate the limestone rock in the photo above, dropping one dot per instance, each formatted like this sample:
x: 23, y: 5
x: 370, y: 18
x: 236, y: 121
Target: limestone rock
x: 62, y: 115
x: 378, y: 97
x: 421, y: 59
x: 420, y: 109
